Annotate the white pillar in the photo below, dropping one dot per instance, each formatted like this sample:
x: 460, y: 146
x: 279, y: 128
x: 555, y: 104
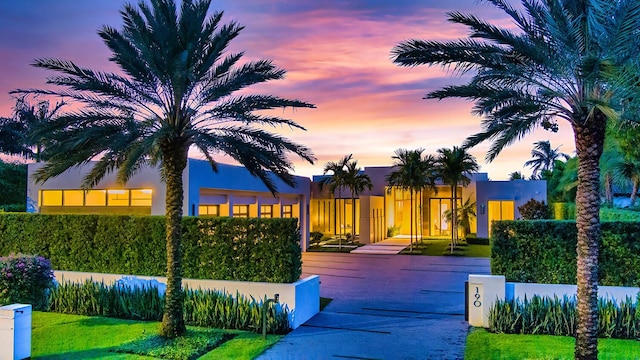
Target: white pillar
x: 484, y: 290
x: 15, y: 332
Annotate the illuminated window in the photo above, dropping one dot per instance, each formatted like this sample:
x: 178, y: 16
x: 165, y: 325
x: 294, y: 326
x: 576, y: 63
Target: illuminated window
x: 241, y: 211
x: 287, y: 211
x: 209, y: 210
x: 73, y: 198
x: 51, y: 198
x: 141, y: 197
x: 117, y: 198
x: 266, y: 211
x: 95, y: 198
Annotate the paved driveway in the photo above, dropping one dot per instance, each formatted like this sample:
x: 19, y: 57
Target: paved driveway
x: 384, y: 307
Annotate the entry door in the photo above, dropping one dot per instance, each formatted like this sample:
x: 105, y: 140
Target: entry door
x: 500, y: 210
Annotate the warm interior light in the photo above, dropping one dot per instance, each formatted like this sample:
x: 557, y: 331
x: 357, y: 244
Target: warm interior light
x: 146, y: 191
x: 116, y: 191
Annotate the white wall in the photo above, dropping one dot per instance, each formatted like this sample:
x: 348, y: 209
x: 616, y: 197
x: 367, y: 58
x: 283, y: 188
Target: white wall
x: 302, y: 297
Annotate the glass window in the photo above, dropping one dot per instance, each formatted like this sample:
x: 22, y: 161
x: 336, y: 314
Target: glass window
x: 266, y: 211
x: 51, y: 198
x: 95, y: 198
x: 209, y: 210
x: 241, y: 211
x: 141, y: 197
x: 117, y: 198
x: 287, y: 211
x: 73, y: 198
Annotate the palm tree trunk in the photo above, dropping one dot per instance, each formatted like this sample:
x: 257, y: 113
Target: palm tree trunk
x: 589, y: 141
x: 411, y: 220
x: 634, y: 191
x: 340, y: 215
x: 453, y: 215
x: 174, y: 162
x: 353, y: 216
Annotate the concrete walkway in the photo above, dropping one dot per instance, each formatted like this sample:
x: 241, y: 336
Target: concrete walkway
x: 384, y: 307
x: 388, y: 246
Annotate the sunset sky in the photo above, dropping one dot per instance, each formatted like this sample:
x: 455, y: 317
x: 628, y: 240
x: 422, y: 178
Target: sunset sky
x: 337, y: 56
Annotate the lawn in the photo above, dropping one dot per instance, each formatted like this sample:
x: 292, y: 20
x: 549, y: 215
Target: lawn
x: 61, y: 336
x: 440, y: 246
x: 483, y: 345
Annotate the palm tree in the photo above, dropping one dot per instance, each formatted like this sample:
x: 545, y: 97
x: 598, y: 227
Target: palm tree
x: 413, y: 172
x: 571, y: 60
x: 356, y: 181
x: 516, y: 175
x: 337, y: 180
x: 174, y: 91
x: 17, y: 132
x: 544, y: 156
x: 466, y: 212
x: 453, y: 166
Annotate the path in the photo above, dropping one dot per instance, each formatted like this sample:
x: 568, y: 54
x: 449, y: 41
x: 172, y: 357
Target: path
x: 384, y: 307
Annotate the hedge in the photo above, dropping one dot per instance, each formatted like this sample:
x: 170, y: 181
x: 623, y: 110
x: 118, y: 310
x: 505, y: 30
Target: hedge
x: 544, y: 251
x: 244, y: 249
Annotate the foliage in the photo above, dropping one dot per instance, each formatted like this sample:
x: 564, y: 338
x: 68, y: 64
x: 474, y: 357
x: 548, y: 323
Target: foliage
x: 484, y: 345
x: 214, y: 248
x: 13, y: 185
x: 612, y: 214
x: 315, y: 237
x: 393, y: 231
x: 473, y: 239
x: 535, y: 210
x: 516, y: 175
x: 564, y: 211
x: 201, y: 307
x: 82, y: 337
x: 175, y: 87
x: 544, y: 251
x: 547, y: 316
x: 466, y: 212
x: 562, y: 181
x: 25, y: 279
x: 544, y: 157
x: 193, y: 344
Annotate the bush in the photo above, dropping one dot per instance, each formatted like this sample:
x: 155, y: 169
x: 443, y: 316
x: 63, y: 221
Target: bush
x: 25, y: 279
x: 473, y: 239
x: 315, y: 237
x: 393, y: 231
x: 564, y: 211
x: 612, y: 214
x: 534, y: 210
x: 544, y: 251
x: 201, y: 307
x: 546, y: 316
x: 243, y: 249
x: 13, y: 208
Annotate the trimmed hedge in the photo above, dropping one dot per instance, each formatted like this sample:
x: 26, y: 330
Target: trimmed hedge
x: 544, y: 251
x: 223, y: 248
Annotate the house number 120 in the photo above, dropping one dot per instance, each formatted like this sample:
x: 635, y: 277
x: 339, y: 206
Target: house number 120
x: 477, y: 302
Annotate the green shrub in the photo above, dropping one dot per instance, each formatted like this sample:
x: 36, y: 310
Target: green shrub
x: 25, y: 279
x: 546, y: 316
x: 393, y: 231
x: 612, y: 214
x: 13, y: 208
x: 544, y: 251
x: 315, y: 237
x: 564, y: 211
x: 201, y: 307
x: 223, y: 248
x: 534, y: 210
x: 473, y: 239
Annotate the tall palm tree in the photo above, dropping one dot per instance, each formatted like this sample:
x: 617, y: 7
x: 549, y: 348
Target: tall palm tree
x: 174, y: 91
x: 453, y: 167
x: 516, y: 175
x: 544, y: 156
x: 356, y: 181
x: 336, y: 180
x: 413, y: 172
x: 571, y: 60
x: 466, y: 212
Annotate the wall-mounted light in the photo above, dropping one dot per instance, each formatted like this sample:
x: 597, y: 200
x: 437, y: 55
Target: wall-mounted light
x: 482, y: 209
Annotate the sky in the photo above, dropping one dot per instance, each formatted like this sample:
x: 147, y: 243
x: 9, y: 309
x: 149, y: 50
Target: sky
x: 337, y: 54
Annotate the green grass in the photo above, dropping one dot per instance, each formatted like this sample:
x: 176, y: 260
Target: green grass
x: 61, y: 336
x: 440, y: 247
x: 193, y: 344
x: 483, y: 345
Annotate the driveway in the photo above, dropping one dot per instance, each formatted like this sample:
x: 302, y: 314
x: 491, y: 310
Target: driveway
x: 384, y: 307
